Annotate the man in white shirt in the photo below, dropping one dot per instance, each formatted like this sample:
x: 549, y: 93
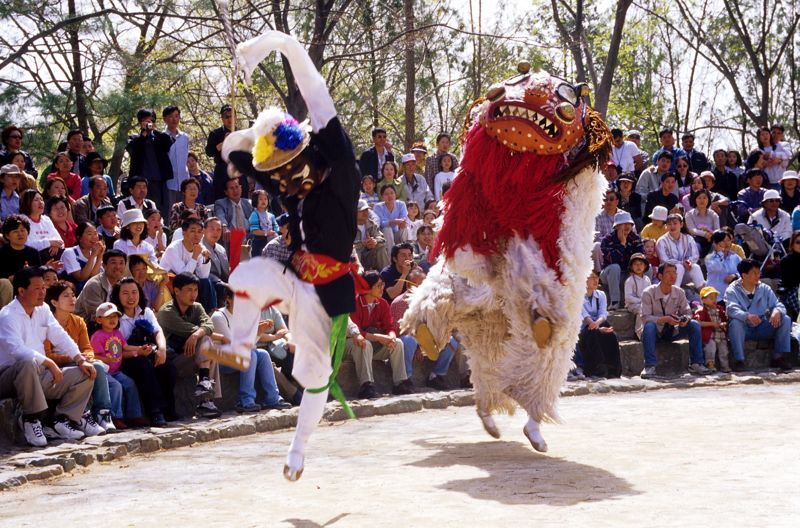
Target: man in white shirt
x: 772, y: 217
x: 27, y: 374
x: 624, y: 154
x: 188, y: 255
x: 178, y: 153
x: 138, y: 198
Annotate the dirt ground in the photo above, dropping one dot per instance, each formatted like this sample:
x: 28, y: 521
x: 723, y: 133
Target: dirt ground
x: 701, y: 457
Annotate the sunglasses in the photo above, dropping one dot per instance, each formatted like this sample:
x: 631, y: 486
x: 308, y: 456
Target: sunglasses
x: 15, y: 136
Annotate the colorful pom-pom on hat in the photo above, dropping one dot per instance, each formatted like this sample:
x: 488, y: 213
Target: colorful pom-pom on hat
x: 279, y: 138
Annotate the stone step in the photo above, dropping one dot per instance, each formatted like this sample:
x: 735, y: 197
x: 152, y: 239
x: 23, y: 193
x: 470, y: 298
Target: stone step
x: 624, y: 323
x: 672, y: 358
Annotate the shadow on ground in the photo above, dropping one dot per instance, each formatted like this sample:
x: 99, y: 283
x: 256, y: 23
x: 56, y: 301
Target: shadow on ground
x: 305, y: 523
x: 518, y: 475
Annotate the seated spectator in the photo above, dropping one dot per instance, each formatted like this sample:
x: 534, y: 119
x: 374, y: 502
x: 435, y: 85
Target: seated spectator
x: 43, y: 236
x: 108, y: 225
x: 86, y: 207
x: 275, y: 340
x: 617, y: 248
x: 15, y: 254
x: 772, y: 218
x: 423, y: 247
x: 796, y: 218
x: 188, y: 255
x: 56, y: 188
x: 27, y: 180
x: 83, y: 260
x: 62, y: 165
x: 695, y: 185
x: 110, y: 347
x: 220, y: 266
x: 156, y: 236
x: 155, y: 292
x: 650, y: 179
x: 629, y: 200
x: 597, y: 342
x: 260, y: 365
x: 753, y: 194
x: 132, y: 236
x: 664, y: 197
x: 755, y: 313
x: 96, y: 291
x: 604, y: 225
x: 677, y: 247
x: 393, y: 215
x: 446, y: 174
x: 154, y: 375
x: 204, y: 178
x: 185, y: 215
x: 262, y: 225
x: 658, y: 223
x: 411, y: 351
x: 28, y: 375
x: 667, y: 316
x: 57, y: 209
x: 395, y: 274
x: 719, y: 202
x: 635, y: 284
x: 721, y: 263
x: 368, y: 192
x: 191, y: 194
x: 185, y: 323
x: 790, y: 277
x: 9, y: 199
x: 370, y: 244
x: 278, y: 248
x: 790, y: 194
x: 106, y: 393
x: 233, y: 210
x: 376, y: 339
x: 651, y: 255
x: 735, y: 248
x: 95, y: 168
x: 714, y: 326
x: 701, y: 221
x: 49, y: 276
x: 137, y: 186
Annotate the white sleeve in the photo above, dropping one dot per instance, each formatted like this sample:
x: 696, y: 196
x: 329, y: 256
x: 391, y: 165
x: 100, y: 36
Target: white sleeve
x: 11, y: 341
x: 311, y: 84
x: 70, y: 261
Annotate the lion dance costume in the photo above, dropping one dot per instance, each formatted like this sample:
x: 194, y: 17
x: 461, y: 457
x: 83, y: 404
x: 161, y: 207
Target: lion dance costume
x: 514, y: 246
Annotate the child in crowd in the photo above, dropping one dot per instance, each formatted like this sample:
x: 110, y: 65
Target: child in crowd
x: 445, y: 175
x: 410, y: 233
x: 110, y: 347
x: 736, y: 248
x: 651, y: 255
x: 428, y: 217
x: 109, y: 225
x: 635, y: 284
x: 658, y: 223
x: 156, y: 236
x: 714, y: 326
x: 263, y: 226
x: 368, y: 190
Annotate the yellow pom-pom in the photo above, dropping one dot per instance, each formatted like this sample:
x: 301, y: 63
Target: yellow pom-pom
x: 263, y: 149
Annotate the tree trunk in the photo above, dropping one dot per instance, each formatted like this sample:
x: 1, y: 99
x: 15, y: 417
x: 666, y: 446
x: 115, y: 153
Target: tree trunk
x: 410, y: 107
x: 607, y: 81
x: 81, y: 112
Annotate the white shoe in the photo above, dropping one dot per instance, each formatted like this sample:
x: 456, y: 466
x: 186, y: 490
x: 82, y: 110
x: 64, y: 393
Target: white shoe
x: 66, y: 429
x: 105, y: 421
x: 33, y: 432
x: 648, y: 372
x: 89, y: 426
x: 700, y: 370
x: 204, y: 388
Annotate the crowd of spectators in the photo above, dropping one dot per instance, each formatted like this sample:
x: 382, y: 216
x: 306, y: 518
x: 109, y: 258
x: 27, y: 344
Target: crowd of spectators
x: 111, y: 291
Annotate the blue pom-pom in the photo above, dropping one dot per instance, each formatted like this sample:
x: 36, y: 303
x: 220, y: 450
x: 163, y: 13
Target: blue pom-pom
x: 287, y: 136
x: 145, y: 325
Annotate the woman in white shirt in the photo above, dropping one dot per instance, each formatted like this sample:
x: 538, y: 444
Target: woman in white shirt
x: 84, y: 260
x: 43, y: 236
x: 678, y: 247
x: 132, y: 236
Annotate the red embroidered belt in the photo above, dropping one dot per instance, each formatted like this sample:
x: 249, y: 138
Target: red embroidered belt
x: 319, y: 269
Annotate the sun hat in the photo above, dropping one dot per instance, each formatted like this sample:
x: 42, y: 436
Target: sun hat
x: 771, y: 194
x: 708, y: 290
x: 132, y: 216
x: 106, y: 309
x: 790, y: 175
x: 639, y: 256
x: 279, y: 138
x: 622, y: 217
x: 659, y: 213
x: 10, y: 168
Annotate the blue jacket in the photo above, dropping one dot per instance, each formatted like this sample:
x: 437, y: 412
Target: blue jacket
x: 739, y: 306
x: 718, y: 267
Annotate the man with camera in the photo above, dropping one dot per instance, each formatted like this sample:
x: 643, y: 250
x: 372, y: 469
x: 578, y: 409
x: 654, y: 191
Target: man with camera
x: 149, y: 152
x: 395, y: 275
x: 667, y: 316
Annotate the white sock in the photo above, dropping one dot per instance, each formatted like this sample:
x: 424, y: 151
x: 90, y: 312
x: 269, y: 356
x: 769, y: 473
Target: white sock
x: 311, y: 408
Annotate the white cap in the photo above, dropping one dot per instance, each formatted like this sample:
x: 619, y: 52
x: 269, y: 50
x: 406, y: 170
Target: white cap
x: 362, y: 205
x: 408, y: 157
x: 659, y: 212
x: 106, y: 309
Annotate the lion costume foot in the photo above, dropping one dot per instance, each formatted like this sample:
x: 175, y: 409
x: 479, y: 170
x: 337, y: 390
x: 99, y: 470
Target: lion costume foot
x: 542, y: 330
x: 488, y: 424
x: 427, y: 342
x: 293, y: 469
x: 534, y: 436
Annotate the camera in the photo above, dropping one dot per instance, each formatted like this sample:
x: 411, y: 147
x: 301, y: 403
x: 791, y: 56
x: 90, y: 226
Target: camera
x: 150, y: 126
x: 683, y: 319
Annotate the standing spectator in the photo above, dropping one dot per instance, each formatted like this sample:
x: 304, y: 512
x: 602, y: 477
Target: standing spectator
x: 178, y: 153
x: 432, y: 163
x: 233, y: 210
x: 28, y: 375
x: 755, y: 313
x: 132, y: 236
x: 138, y: 199
x: 790, y: 194
x: 629, y: 200
x: 370, y: 243
x: 698, y: 162
x: 735, y: 163
x: 753, y: 194
x: 75, y: 151
x: 726, y: 181
x: 190, y: 189
x: 376, y: 339
x: 667, y: 139
x: 446, y: 174
x: 721, y: 263
x: 701, y: 221
x: 394, y: 276
x: 597, y: 342
x: 83, y: 260
x: 772, y: 218
x: 149, y: 152
x: 26, y: 180
x: 420, y: 152
x: 108, y: 225
x: 9, y: 199
x: 62, y: 165
x: 372, y: 160
x: 776, y: 156
x: 637, y: 281
x: 391, y: 178
x: 98, y: 289
x: 617, y: 248
x: 15, y: 254
x: 86, y: 207
x: 95, y: 167
x: 203, y: 178
x: 262, y: 226
x: 417, y: 189
x: 650, y: 179
x: 665, y: 196
x: 12, y: 143
x: 185, y: 323
x: 635, y: 137
x: 713, y: 325
x: 666, y: 315
x: 624, y: 154
x: 392, y: 214
x: 57, y: 209
x: 43, y: 235
x: 677, y: 247
x: 214, y: 150
x: 790, y: 277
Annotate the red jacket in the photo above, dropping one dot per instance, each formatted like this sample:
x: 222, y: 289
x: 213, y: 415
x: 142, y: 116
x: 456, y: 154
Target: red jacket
x: 380, y: 318
x: 702, y: 315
